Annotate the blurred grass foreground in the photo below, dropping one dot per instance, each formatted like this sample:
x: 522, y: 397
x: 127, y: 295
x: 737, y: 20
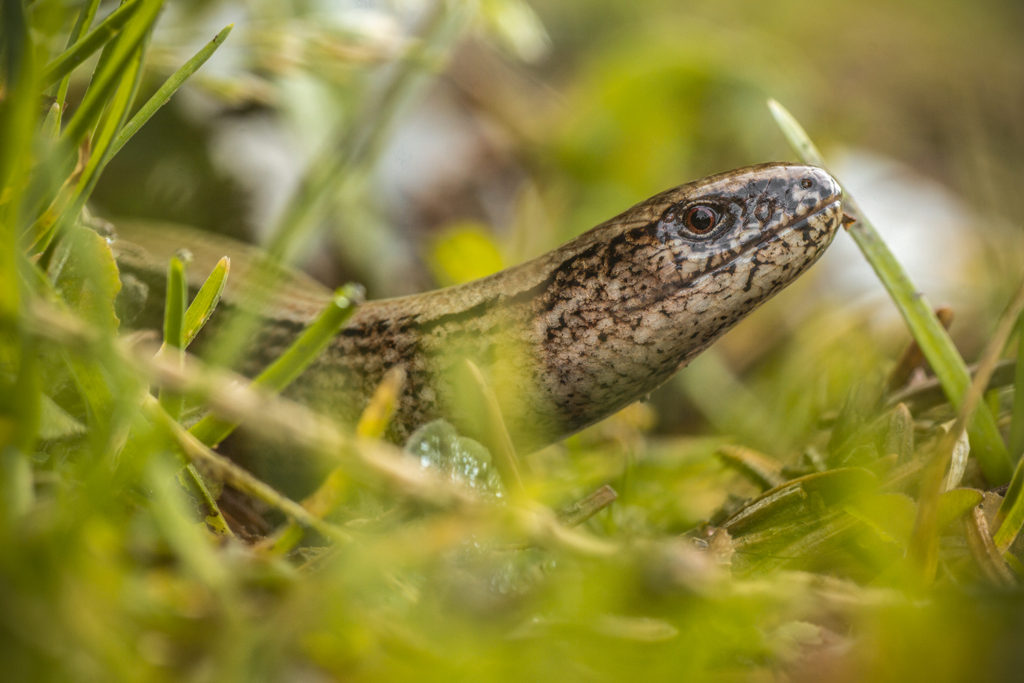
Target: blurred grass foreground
x: 833, y: 492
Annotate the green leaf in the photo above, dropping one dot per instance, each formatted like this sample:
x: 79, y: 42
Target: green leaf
x: 55, y: 422
x: 793, y: 499
x: 202, y: 307
x: 1016, y: 442
x: 85, y: 275
x: 956, y: 503
x: 94, y: 40
x: 18, y: 115
x: 100, y: 154
x: 464, y: 252
x: 890, y: 515
x: 114, y: 73
x: 51, y: 124
x: 82, y: 23
x: 110, y: 73
x: 303, y: 351
x: 1011, y: 512
x: 174, y: 308
x: 174, y: 331
x: 169, y: 87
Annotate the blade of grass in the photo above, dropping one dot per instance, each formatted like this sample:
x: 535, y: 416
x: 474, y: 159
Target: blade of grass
x: 341, y: 158
x: 111, y: 74
x: 762, y: 470
x: 925, y: 327
x: 71, y: 198
x: 111, y: 121
x: 1017, y: 414
x: 23, y: 404
x: 18, y: 104
x: 492, y: 425
x: 84, y: 21
x: 17, y: 124
x: 105, y: 145
x: 373, y: 422
x: 169, y: 87
x: 988, y: 555
x: 924, y: 543
x: 359, y: 140
x: 207, y: 298
x: 51, y: 124
x: 65, y: 63
x: 186, y: 540
x: 212, y: 430
x: 1010, y: 518
x: 175, y: 341
x: 225, y: 470
x: 174, y: 330
x: 582, y: 510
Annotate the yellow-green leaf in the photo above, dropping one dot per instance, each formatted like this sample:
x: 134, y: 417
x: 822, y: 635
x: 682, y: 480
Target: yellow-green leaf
x: 465, y: 252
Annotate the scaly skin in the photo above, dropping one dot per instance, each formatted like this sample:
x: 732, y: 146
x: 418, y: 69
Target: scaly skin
x: 572, y: 336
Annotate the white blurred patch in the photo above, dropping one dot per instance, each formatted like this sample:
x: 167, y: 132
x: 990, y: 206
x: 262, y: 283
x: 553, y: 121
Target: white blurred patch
x: 255, y: 152
x: 927, y: 227
x: 433, y: 148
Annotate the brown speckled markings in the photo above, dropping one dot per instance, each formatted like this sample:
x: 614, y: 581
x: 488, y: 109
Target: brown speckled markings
x: 582, y: 331
x: 573, y: 335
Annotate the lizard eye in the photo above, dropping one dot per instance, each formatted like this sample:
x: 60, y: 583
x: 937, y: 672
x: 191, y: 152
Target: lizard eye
x: 700, y: 219
x: 691, y: 221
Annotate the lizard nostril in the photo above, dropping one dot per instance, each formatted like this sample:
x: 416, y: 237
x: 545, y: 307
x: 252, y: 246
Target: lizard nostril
x: 806, y: 183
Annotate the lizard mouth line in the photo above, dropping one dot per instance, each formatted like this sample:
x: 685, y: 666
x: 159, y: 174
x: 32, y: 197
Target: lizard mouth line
x: 830, y: 204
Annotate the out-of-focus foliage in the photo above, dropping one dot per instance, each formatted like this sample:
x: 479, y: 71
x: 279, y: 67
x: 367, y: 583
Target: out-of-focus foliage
x: 768, y: 500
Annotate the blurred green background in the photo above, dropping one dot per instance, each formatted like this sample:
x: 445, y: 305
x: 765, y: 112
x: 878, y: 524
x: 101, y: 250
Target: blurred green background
x: 473, y: 135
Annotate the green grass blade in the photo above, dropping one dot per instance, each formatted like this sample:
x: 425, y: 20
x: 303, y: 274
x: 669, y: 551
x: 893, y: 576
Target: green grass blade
x: 24, y: 405
x: 169, y: 87
x: 372, y: 424
x: 1017, y: 414
x: 308, y: 346
x: 114, y: 75
x: 17, y: 105
x: 936, y: 344
x: 185, y: 539
x: 111, y: 121
x: 110, y: 73
x: 82, y: 24
x: 65, y: 63
x: 18, y: 111
x: 174, y: 327
x: 174, y: 342
x: 363, y: 137
x: 225, y: 470
x: 303, y: 351
x: 925, y: 541
x: 174, y: 308
x: 1011, y: 512
x: 202, y: 307
x: 340, y: 159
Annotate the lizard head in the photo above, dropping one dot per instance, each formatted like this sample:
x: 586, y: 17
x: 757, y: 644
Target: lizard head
x: 642, y: 294
x: 762, y: 221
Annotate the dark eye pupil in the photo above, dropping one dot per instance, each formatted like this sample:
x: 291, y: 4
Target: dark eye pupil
x: 700, y: 219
